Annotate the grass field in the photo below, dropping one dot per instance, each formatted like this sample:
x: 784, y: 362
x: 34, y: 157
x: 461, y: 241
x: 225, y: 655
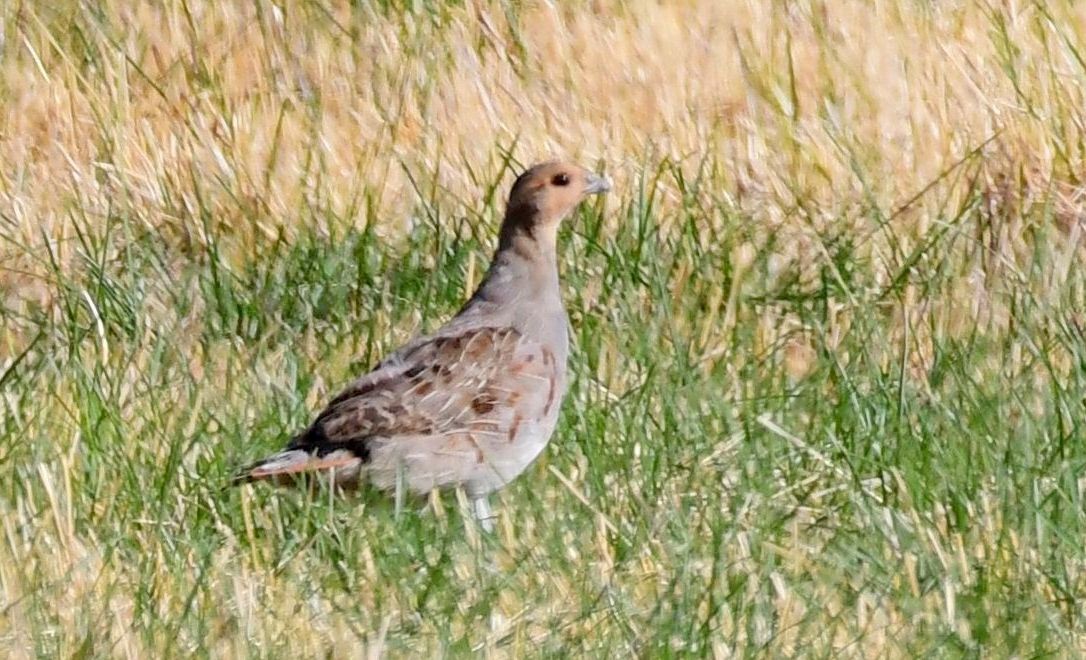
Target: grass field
x: 829, y: 365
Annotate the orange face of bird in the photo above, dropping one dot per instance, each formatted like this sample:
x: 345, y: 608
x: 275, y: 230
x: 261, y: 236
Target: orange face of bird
x: 552, y: 190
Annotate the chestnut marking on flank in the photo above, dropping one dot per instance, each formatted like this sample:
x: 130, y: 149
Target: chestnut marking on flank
x: 552, y: 378
x: 514, y: 427
x: 479, y: 456
x: 482, y: 404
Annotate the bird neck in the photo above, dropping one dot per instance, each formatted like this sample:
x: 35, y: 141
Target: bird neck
x: 525, y: 265
x: 522, y: 286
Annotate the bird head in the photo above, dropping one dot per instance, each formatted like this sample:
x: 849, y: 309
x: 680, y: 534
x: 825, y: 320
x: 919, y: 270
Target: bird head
x: 545, y: 194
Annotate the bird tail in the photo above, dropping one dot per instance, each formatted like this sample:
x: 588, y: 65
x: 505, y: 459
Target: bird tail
x: 288, y: 467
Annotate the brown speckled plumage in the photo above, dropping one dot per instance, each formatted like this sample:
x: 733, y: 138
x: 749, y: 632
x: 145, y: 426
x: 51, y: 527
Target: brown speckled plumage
x: 474, y: 403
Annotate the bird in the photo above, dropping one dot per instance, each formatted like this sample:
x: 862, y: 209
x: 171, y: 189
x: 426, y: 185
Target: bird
x: 474, y: 403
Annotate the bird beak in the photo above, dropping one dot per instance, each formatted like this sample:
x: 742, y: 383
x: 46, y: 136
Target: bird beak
x: 597, y: 184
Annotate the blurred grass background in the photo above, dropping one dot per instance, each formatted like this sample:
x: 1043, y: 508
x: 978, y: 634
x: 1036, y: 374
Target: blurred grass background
x: 829, y: 328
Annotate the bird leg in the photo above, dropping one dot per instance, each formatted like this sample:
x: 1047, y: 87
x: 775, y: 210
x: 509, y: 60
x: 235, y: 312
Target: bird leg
x: 400, y: 489
x: 483, y: 513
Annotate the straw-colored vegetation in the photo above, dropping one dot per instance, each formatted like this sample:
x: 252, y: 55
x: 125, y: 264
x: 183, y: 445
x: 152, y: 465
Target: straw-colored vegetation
x: 830, y: 361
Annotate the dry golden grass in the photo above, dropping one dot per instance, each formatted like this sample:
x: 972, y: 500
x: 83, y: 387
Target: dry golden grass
x: 253, y: 118
x: 261, y: 111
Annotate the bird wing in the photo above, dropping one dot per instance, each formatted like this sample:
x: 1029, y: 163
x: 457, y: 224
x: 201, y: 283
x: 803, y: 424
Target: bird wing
x: 474, y: 380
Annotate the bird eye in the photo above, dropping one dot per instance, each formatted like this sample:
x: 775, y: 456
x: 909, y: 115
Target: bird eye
x: 560, y: 180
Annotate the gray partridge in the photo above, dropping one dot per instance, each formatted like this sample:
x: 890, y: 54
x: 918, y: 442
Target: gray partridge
x: 474, y: 403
